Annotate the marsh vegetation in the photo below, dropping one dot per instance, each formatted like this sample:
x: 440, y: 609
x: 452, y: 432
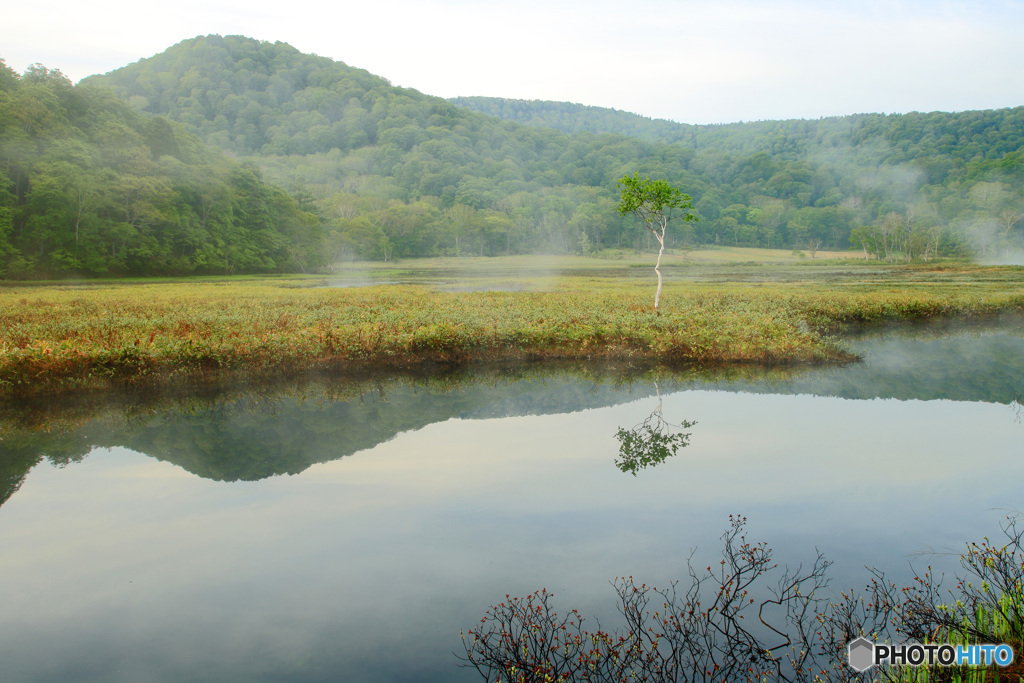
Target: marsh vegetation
x: 456, y: 311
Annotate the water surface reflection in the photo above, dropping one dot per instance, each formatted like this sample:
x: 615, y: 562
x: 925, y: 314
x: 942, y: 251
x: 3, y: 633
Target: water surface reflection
x: 341, y: 530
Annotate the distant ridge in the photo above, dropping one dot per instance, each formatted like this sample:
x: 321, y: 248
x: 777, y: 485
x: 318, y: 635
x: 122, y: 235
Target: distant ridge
x: 914, y: 127
x: 577, y: 118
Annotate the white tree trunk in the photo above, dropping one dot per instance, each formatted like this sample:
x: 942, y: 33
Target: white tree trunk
x: 657, y: 266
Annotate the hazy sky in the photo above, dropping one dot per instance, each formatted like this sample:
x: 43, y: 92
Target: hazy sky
x: 694, y: 62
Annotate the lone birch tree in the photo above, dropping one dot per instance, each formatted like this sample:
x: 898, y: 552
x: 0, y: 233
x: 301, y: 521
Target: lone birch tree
x: 655, y: 202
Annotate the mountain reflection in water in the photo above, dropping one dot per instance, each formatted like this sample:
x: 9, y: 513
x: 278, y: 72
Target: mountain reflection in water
x: 261, y: 431
x: 422, y: 500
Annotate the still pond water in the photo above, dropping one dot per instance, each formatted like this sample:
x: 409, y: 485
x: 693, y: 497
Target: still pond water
x: 334, y: 531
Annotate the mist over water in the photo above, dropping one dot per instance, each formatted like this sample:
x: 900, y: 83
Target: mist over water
x: 340, y: 530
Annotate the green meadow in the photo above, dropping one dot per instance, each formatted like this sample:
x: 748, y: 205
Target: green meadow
x: 719, y: 307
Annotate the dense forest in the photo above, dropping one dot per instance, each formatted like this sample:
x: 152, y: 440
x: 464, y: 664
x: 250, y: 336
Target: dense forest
x: 124, y: 172
x: 95, y: 188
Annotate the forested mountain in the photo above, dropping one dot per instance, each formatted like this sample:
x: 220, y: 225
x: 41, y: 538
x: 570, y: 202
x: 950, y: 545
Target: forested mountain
x: 578, y: 118
x: 399, y: 172
x: 878, y: 138
x: 394, y: 172
x: 915, y: 182
x: 95, y: 188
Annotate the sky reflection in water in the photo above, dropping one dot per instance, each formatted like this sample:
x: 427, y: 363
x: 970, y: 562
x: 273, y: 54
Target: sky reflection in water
x: 365, y: 568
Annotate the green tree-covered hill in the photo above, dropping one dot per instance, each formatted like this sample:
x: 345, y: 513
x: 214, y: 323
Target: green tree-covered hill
x: 954, y: 180
x: 398, y: 172
x: 91, y: 187
x: 394, y: 172
x: 571, y: 118
x: 877, y: 138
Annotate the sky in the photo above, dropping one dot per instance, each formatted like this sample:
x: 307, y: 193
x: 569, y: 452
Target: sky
x: 693, y: 62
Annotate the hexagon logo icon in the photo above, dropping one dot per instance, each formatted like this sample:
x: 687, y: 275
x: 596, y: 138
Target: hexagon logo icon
x: 861, y: 654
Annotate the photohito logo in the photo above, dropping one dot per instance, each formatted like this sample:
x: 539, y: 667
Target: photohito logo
x: 863, y: 654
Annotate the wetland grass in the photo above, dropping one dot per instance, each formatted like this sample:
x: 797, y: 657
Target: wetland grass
x: 55, y: 337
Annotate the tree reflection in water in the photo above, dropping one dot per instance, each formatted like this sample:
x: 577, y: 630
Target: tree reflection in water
x: 652, y: 441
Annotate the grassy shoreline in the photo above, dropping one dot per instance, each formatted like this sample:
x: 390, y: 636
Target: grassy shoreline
x: 56, y: 338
